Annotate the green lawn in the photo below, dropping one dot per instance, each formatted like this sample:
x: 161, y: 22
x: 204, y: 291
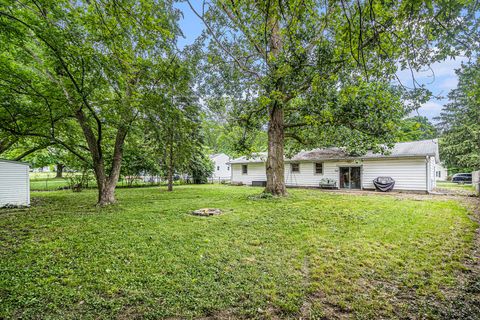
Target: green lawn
x: 455, y: 187
x: 47, y: 184
x: 313, y: 254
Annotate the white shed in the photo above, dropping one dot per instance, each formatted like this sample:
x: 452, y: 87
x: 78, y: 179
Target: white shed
x: 14, y: 183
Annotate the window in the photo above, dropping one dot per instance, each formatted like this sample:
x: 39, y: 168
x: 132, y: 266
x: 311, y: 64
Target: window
x: 319, y: 168
x: 228, y: 168
x: 295, y: 167
x: 218, y: 168
x: 244, y: 169
x: 439, y: 174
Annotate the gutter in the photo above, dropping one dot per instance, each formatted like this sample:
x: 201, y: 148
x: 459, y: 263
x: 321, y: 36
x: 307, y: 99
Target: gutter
x: 427, y: 167
x: 342, y: 159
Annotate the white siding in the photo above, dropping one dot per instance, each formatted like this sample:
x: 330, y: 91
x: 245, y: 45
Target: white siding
x: 256, y: 172
x: 221, y: 169
x: 307, y: 177
x: 442, y: 173
x: 433, y: 179
x: 14, y: 184
x: 408, y: 173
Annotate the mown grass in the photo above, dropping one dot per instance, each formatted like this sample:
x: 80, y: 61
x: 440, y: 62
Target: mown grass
x: 312, y: 254
x: 455, y: 186
x: 48, y: 184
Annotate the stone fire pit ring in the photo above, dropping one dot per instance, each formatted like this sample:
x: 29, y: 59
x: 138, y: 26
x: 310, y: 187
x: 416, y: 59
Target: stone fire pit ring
x: 207, y: 212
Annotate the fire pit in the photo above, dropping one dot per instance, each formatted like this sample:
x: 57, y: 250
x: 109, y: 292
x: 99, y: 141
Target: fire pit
x: 206, y: 212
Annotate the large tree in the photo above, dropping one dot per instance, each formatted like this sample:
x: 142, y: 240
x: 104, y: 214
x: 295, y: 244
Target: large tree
x: 416, y: 128
x: 318, y: 72
x: 77, y: 73
x: 460, y: 121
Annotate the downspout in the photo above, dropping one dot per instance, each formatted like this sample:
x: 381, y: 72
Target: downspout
x: 426, y: 170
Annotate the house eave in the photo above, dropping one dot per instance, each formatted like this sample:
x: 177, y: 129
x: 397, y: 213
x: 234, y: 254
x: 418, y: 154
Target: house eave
x: 380, y: 157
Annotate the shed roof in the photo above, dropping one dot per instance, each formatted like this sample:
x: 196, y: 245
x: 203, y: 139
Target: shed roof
x: 400, y: 150
x: 16, y: 162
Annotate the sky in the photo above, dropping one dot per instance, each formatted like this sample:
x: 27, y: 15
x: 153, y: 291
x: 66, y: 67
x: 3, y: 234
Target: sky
x: 439, y: 80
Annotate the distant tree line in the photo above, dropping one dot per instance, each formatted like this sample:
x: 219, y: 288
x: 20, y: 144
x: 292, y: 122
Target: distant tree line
x: 459, y: 121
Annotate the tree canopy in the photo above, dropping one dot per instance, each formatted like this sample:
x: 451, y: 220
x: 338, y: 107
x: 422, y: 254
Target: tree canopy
x: 460, y: 122
x: 77, y: 74
x: 320, y: 73
x: 416, y: 128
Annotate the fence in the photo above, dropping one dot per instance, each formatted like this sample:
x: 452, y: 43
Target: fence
x: 218, y: 180
x: 476, y: 181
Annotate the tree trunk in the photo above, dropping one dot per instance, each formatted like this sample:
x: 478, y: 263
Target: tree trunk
x: 275, y: 165
x: 106, y: 192
x: 106, y: 195
x: 59, y: 170
x: 170, y: 170
x: 275, y: 160
x: 106, y: 184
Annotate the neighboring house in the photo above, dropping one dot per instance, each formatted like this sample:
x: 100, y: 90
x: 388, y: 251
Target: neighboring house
x: 14, y: 183
x: 410, y: 164
x: 221, y: 170
x: 441, y: 173
x: 41, y: 169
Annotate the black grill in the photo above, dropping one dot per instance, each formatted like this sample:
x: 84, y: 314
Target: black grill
x: 384, y: 183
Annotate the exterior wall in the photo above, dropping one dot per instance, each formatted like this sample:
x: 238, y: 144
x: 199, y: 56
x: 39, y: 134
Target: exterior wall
x: 14, y: 184
x: 307, y: 176
x: 441, y: 173
x: 221, y: 169
x: 432, y: 174
x: 256, y: 172
x: 408, y: 173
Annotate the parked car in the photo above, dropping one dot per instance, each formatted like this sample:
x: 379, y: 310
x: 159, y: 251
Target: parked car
x: 462, y: 178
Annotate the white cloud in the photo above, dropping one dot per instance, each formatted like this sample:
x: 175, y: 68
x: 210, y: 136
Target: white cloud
x: 448, y: 83
x: 429, y: 109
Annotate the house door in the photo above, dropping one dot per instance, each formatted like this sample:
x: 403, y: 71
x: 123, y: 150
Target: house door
x: 350, y: 178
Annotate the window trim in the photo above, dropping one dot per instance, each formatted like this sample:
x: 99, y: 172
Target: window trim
x: 315, y: 168
x: 245, y: 166
x: 293, y: 164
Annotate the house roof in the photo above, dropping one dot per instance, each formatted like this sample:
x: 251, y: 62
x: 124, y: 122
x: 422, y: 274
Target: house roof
x: 16, y: 162
x: 255, y: 157
x: 213, y: 156
x: 400, y: 150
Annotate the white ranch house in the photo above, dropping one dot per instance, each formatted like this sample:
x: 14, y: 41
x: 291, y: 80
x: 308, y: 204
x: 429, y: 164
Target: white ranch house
x: 411, y: 164
x: 14, y: 183
x: 221, y: 170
